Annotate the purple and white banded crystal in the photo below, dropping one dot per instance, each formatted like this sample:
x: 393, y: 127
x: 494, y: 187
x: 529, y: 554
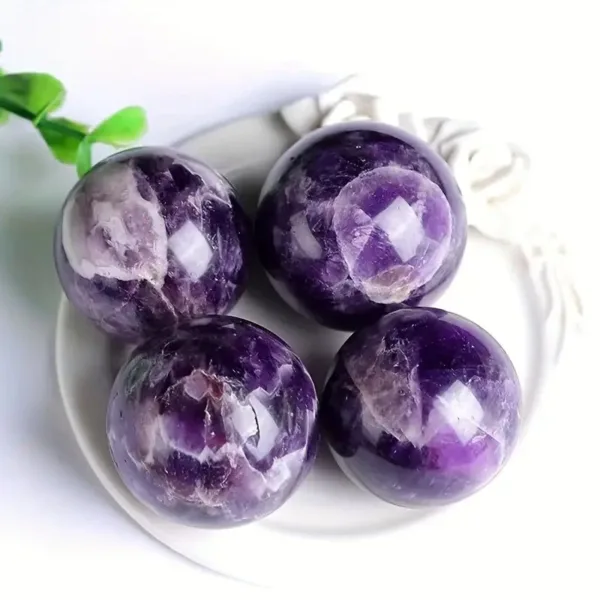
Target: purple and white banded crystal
x: 422, y: 407
x: 215, y: 425
x: 149, y: 240
x: 357, y: 220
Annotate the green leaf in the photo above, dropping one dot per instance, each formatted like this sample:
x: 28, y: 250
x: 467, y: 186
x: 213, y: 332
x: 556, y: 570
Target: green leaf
x: 83, y: 161
x: 63, y: 137
x: 31, y: 95
x: 4, y: 114
x: 125, y: 126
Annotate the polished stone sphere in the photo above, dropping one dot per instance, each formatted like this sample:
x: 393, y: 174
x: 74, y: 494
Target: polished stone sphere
x: 214, y: 426
x: 357, y: 220
x: 421, y: 408
x: 150, y: 240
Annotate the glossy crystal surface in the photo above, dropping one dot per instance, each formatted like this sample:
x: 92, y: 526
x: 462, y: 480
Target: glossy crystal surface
x: 150, y: 240
x: 421, y: 408
x: 357, y: 220
x: 215, y: 425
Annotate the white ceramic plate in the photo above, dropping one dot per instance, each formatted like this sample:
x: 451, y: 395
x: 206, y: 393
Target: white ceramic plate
x: 328, y: 516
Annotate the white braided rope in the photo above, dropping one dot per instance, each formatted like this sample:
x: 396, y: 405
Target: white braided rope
x: 491, y: 173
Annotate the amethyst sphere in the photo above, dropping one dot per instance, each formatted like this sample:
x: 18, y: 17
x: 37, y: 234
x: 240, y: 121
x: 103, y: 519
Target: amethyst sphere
x: 357, y: 220
x: 149, y: 240
x: 215, y: 425
x: 422, y: 407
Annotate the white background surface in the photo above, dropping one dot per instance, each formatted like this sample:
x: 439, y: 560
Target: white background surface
x: 530, y: 71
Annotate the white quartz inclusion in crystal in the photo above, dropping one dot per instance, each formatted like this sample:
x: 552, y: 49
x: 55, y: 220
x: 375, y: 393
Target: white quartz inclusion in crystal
x: 304, y: 238
x: 461, y: 410
x: 191, y: 249
x: 109, y: 230
x: 402, y: 226
x: 283, y: 468
x: 267, y: 428
x: 243, y: 420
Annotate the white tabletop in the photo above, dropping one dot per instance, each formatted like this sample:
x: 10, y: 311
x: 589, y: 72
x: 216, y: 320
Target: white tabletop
x: 191, y: 66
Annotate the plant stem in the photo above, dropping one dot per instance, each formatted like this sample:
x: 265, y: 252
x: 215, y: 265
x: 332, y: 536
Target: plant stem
x: 47, y: 124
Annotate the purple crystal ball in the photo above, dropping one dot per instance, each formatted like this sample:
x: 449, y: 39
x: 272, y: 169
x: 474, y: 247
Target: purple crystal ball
x: 215, y: 425
x: 357, y: 220
x: 422, y: 407
x: 149, y: 240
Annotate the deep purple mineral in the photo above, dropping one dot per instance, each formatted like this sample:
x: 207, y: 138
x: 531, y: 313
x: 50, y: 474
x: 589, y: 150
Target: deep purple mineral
x: 357, y: 220
x: 149, y: 240
x: 214, y: 426
x: 421, y: 408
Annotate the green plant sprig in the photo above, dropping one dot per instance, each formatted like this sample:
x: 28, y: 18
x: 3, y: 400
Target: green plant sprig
x: 35, y: 96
